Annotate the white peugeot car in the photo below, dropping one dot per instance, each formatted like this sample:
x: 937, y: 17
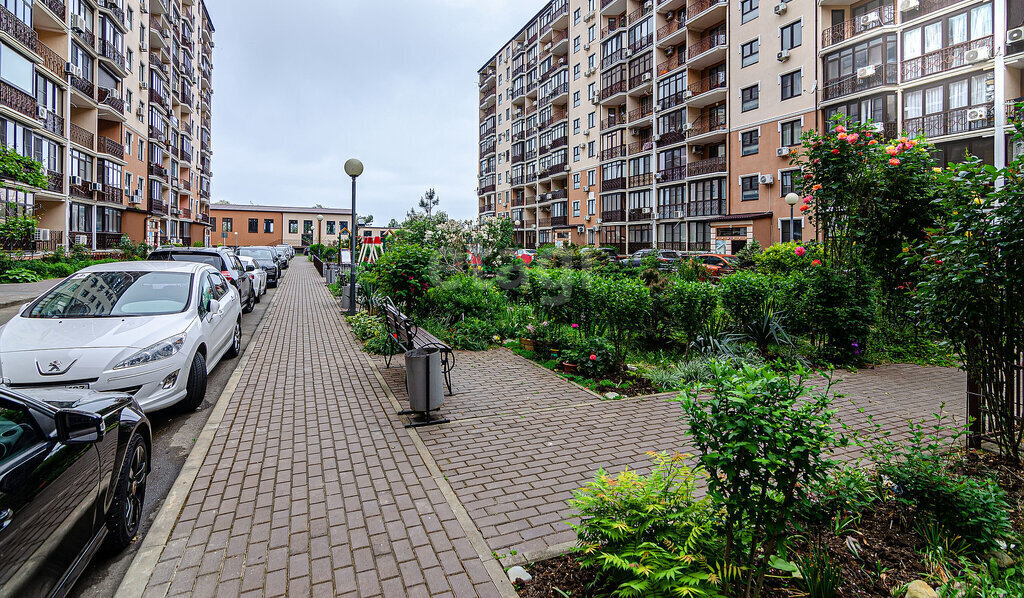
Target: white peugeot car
x: 150, y: 329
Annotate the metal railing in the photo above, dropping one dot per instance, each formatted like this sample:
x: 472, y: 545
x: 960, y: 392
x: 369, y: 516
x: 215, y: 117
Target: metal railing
x: 707, y: 166
x: 943, y: 60
x: 17, y: 100
x: 885, y: 15
x: 82, y: 136
x: 952, y: 122
x: 848, y: 84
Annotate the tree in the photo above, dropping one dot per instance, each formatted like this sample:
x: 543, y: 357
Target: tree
x: 393, y: 223
x: 368, y: 220
x: 222, y: 202
x: 426, y: 204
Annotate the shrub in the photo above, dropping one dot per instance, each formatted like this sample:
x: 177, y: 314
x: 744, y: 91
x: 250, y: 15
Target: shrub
x: 688, y: 304
x: 790, y: 292
x: 19, y: 275
x: 513, y: 320
x: 62, y: 270
x: 649, y: 535
x: 848, y: 490
x: 746, y: 258
x: 464, y: 295
x: 470, y: 334
x: 840, y: 308
x: 594, y: 356
x: 743, y: 293
x: 782, y: 258
x: 680, y: 375
x: 371, y: 330
x: 405, y: 273
x: 763, y: 438
x: 622, y: 306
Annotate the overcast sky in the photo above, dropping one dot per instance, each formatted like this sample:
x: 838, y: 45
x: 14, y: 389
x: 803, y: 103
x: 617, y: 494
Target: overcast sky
x: 302, y: 85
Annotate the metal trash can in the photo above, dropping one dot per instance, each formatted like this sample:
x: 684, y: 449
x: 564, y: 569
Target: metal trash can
x: 331, y: 275
x: 345, y: 292
x: 423, y: 379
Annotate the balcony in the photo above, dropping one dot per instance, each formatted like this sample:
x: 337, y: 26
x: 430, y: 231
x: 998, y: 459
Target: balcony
x: 51, y: 60
x: 83, y: 86
x: 855, y: 83
x: 86, y: 37
x: 110, y: 147
x: 554, y: 169
x: 615, y: 184
x: 637, y: 214
x: 613, y: 216
x: 613, y: 121
x: 111, y: 8
x: 953, y: 122
x: 486, y: 208
x: 667, y: 33
x: 708, y: 89
x: 157, y: 207
x: 676, y: 99
x: 641, y: 44
x: 17, y: 100
x: 703, y: 52
x: 110, y: 99
x: 702, y: 14
x: 81, y: 191
x: 673, y: 174
x: 613, y: 152
x: 110, y: 194
x: 639, y: 147
x: 16, y: 28
x: 705, y: 208
x: 709, y: 122
x: 849, y: 29
x: 555, y: 94
x: 639, y: 81
x: 556, y: 116
x: 557, y: 194
x: 676, y: 61
x: 641, y: 180
x: 927, y: 7
x: 613, y: 89
x: 943, y: 60
x: 705, y: 167
x: 56, y: 7
x: 486, y: 148
x: 555, y: 144
x: 518, y: 201
x: 614, y: 57
x: 640, y: 113
x: 109, y: 52
x: 55, y: 181
x: 672, y: 138
x: 559, y: 221
x: 157, y: 170
x: 82, y: 137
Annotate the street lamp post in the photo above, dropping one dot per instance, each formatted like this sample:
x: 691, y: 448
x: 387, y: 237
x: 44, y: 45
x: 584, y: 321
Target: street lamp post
x: 353, y: 168
x: 792, y: 199
x: 236, y: 239
x: 319, y: 223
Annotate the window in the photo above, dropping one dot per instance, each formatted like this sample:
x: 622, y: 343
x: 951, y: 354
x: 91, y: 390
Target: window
x: 576, y: 180
x: 15, y: 69
x: 591, y: 177
x: 749, y: 188
x: 226, y: 225
x: 591, y: 120
x: 576, y: 126
x: 748, y: 10
x: 792, y: 35
x: 591, y: 149
x: 576, y: 43
x: 591, y: 207
x: 576, y: 16
x: 576, y: 209
x: 307, y: 227
x: 749, y: 52
x: 293, y: 227
x: 787, y: 181
x: 749, y: 98
x: 790, y: 132
x: 575, y: 72
x: 798, y: 230
x: 254, y: 225
x: 330, y: 227
x: 19, y: 431
x: 791, y: 84
x: 576, y: 99
x: 268, y: 225
x: 749, y: 141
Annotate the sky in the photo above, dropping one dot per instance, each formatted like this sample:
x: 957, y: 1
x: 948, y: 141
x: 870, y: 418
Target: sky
x: 300, y: 86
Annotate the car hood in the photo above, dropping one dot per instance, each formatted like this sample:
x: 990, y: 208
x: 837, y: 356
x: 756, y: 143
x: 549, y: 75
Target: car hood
x: 88, y: 400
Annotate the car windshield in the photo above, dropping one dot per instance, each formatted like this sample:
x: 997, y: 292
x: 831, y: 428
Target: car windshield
x: 211, y: 259
x: 259, y: 254
x: 115, y: 294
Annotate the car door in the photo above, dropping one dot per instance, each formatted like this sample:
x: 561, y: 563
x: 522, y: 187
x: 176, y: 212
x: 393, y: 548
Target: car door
x: 48, y: 502
x: 222, y: 322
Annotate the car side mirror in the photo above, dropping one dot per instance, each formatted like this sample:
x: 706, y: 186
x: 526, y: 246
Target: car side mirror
x: 78, y: 427
x: 214, y: 306
x: 250, y: 268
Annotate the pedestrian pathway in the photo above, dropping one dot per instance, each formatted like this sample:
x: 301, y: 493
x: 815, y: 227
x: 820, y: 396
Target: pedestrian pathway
x: 19, y: 293
x: 311, y: 486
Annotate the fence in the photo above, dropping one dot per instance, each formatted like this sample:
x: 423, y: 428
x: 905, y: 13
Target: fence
x: 1008, y: 384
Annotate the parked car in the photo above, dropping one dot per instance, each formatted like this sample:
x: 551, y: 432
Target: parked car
x: 257, y: 275
x: 73, y: 471
x: 613, y: 257
x: 667, y: 258
x: 718, y: 265
x: 149, y: 329
x: 281, y: 255
x: 266, y: 258
x: 220, y: 258
x: 526, y: 255
x: 288, y: 250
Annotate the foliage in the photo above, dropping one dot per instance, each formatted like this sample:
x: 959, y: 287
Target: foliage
x: 405, y: 272
x: 513, y: 320
x: 649, y: 535
x: 984, y: 580
x: 621, y: 307
x: 746, y: 258
x: 767, y: 329
x: 678, y: 376
x: 784, y: 259
x: 17, y: 229
x: 469, y: 334
x: 840, y: 309
x: 19, y: 275
x: 847, y: 490
x: 371, y: 330
x: 715, y: 338
x: 464, y: 295
x: 764, y: 437
x: 595, y: 356
x: 132, y: 251
x: 972, y: 269
x: 689, y: 303
x: 743, y: 293
x: 820, y: 573
x: 14, y: 166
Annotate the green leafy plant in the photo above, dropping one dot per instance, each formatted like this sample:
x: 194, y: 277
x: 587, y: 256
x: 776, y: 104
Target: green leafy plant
x: 746, y: 258
x: 820, y: 573
x: 984, y: 580
x: 14, y: 166
x: 405, y: 273
x: 621, y: 306
x: 783, y: 259
x: 19, y: 275
x: 768, y: 329
x: 686, y: 305
x: 743, y: 294
x: 464, y: 295
x: 764, y: 437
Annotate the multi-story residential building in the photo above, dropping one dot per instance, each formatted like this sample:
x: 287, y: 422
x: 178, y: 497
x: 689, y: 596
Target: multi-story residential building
x: 109, y: 95
x: 669, y: 123
x: 274, y: 225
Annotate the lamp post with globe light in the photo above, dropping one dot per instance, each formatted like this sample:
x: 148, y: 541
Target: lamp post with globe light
x: 792, y: 199
x: 319, y: 223
x: 353, y: 168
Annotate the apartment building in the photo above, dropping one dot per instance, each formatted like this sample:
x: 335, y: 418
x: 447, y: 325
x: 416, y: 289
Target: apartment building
x: 672, y: 124
x: 113, y: 97
x: 274, y: 225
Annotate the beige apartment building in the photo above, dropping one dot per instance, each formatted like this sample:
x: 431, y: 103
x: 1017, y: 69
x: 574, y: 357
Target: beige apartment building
x: 671, y: 124
x: 113, y: 97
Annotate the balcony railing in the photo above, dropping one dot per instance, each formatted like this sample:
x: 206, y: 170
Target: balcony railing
x: 952, y: 122
x: 558, y: 194
x: 83, y: 191
x: 56, y: 7
x: 716, y: 81
x: 613, y: 184
x: 110, y: 52
x: 16, y: 28
x: 82, y: 136
x: 86, y: 37
x: 157, y: 206
x: 672, y: 137
x: 613, y: 152
x: 55, y: 181
x: 486, y: 207
x: 518, y: 200
x: 673, y: 26
x: 943, y: 60
x: 641, y: 112
x: 113, y: 9
x: 695, y: 8
x: 708, y: 122
x: 559, y: 221
x: 613, y: 216
x: 641, y: 180
x: 110, y: 194
x: 639, y: 79
x: 706, y: 44
x: 853, y: 83
x: 108, y: 97
x: 636, y: 214
x: 553, y: 169
x: 610, y: 59
x: 51, y: 60
x: 705, y: 207
x: 110, y: 147
x: 83, y: 85
x: 677, y: 60
x: 17, y: 100
x: 675, y: 173
x: 708, y: 166
x: 639, y: 147
x: 157, y: 170
x: 885, y: 15
x: 613, y: 121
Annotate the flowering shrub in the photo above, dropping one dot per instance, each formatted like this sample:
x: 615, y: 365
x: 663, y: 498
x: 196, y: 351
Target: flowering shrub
x: 405, y: 273
x: 783, y: 258
x: 465, y: 295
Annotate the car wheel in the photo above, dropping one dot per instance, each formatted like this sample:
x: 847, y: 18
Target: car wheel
x: 129, y: 494
x: 236, y: 342
x: 195, y: 387
x: 258, y: 297
x: 273, y: 283
x: 250, y: 303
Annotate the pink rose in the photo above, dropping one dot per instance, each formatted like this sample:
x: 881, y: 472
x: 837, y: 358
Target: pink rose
x: 894, y: 161
x: 816, y: 263
x: 593, y: 357
x: 575, y: 325
x: 800, y: 251
x: 840, y: 129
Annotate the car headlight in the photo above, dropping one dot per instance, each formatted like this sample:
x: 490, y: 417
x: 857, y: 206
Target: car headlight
x: 162, y: 350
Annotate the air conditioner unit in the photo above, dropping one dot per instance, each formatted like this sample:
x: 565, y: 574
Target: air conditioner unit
x: 869, y: 20
x: 81, y: 239
x: 586, y: 132
x: 656, y: 138
x: 140, y: 112
x: 137, y: 194
x: 586, y: 218
x: 135, y: 199
x: 645, y: 77
x: 686, y: 126
x: 96, y: 187
x: 143, y: 9
x: 670, y: 51
x: 586, y: 189
x: 687, y: 94
x: 41, y: 112
x: 696, y: 149
x: 42, y: 234
x: 600, y: 220
x: 143, y: 85
x: 866, y: 72
x: 586, y: 47
x: 645, y: 211
x: 143, y: 47
x: 77, y: 23
x: 627, y: 53
x: 568, y: 168
x: 978, y: 54
x: 75, y: 181
x: 782, y: 56
x: 1014, y: 36
x: 595, y: 100
x: 547, y: 47
x: 590, y: 16
x: 658, y: 176
x: 780, y: 9
x: 782, y: 152
x: 635, y: 131
x: 909, y: 5
x: 977, y: 114
x: 765, y: 179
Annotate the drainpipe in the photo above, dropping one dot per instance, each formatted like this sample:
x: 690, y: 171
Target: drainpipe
x: 999, y: 141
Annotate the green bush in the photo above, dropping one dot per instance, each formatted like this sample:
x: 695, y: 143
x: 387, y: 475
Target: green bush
x: 470, y: 334
x: 743, y: 293
x: 464, y: 295
x: 649, y: 535
x: 513, y: 320
x: 405, y: 273
x: 621, y: 308
x: 688, y: 304
x: 840, y: 307
x: 782, y: 258
x: 371, y: 330
x: 594, y: 356
x: 19, y: 275
x: 848, y: 490
x: 790, y: 292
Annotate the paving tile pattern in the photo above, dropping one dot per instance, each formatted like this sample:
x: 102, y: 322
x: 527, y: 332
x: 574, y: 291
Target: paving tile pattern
x: 514, y: 470
x: 312, y: 487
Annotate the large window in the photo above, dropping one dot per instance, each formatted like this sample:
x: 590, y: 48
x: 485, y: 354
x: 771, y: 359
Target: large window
x: 748, y: 10
x: 81, y: 165
x: 293, y: 227
x: 787, y: 181
x: 749, y: 98
x: 969, y: 26
x: 16, y: 69
x: 790, y: 132
x: 226, y: 225
x: 797, y: 233
x: 749, y: 142
x: 749, y: 188
x: 268, y: 225
x: 21, y: 9
x: 81, y: 218
x: 791, y: 35
x: 81, y: 58
x: 749, y: 52
x: 791, y: 84
x: 877, y: 52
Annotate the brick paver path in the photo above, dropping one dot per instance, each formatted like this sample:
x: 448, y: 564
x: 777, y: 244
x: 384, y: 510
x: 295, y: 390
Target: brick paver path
x: 312, y: 486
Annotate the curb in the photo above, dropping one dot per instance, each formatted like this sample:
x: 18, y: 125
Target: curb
x: 136, y: 578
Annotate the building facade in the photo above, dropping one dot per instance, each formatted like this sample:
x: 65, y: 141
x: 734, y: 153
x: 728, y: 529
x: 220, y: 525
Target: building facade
x: 113, y: 97
x: 237, y: 225
x: 672, y: 124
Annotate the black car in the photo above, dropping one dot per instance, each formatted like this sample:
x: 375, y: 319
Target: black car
x: 667, y: 258
x: 221, y: 259
x: 282, y: 256
x: 266, y: 258
x: 613, y: 257
x: 73, y: 470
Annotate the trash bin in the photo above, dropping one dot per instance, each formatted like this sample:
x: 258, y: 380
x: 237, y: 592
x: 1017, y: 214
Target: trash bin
x: 331, y: 274
x: 423, y: 379
x: 346, y: 291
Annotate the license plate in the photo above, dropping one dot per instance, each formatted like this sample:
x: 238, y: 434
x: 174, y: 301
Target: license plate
x: 77, y: 387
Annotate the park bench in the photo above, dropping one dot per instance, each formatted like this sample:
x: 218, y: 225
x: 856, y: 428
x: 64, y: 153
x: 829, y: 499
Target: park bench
x: 406, y: 336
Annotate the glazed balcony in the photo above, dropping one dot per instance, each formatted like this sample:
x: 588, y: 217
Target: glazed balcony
x: 17, y: 100
x: 705, y: 207
x: 854, y: 83
x: 953, y: 122
x: 671, y: 138
x: 554, y: 169
x: 82, y: 137
x: 676, y: 99
x: 560, y: 92
x: 641, y: 180
x: 927, y: 7
x: 16, y: 28
x: 673, y: 174
x: 616, y: 184
x: 639, y: 214
x: 613, y: 121
x: 556, y: 116
x: 943, y: 60
x: 641, y: 44
x: 614, y: 57
x: 639, y: 81
x: 859, y: 25
x: 555, y: 144
x: 110, y: 194
x: 613, y: 216
x: 111, y: 8
x: 705, y: 167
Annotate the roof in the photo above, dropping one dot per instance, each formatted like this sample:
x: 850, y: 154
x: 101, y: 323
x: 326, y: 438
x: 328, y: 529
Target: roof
x: 747, y: 216
x: 188, y: 267
x: 281, y: 209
